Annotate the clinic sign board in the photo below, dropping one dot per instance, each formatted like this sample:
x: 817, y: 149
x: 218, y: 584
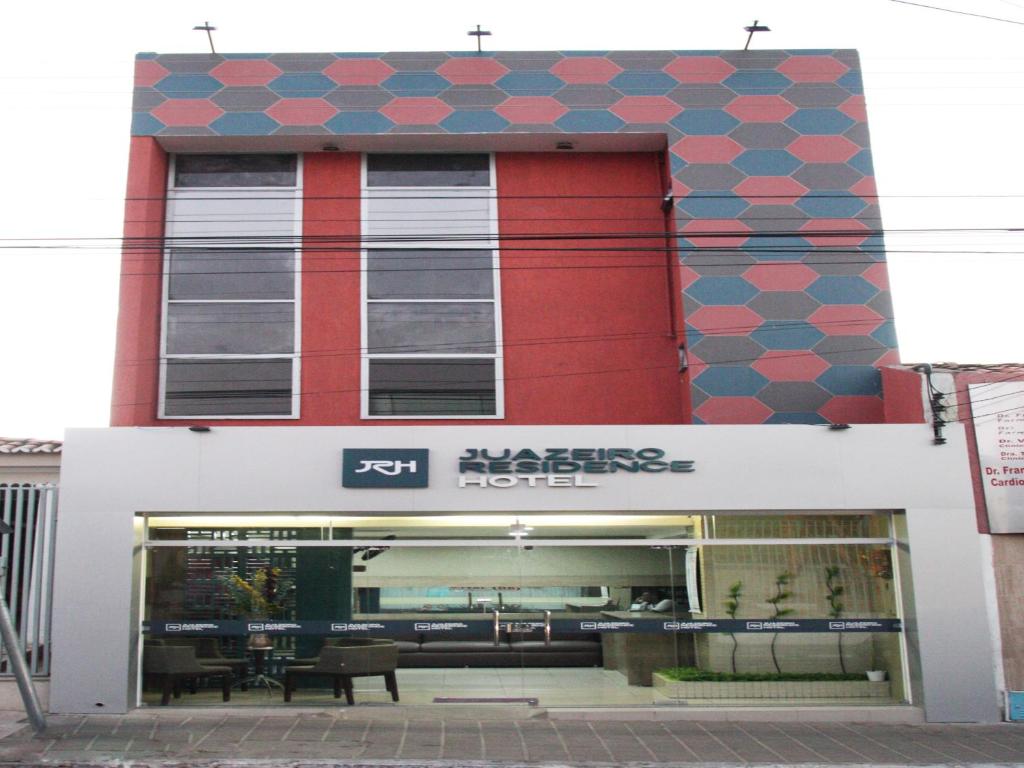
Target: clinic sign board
x: 999, y: 431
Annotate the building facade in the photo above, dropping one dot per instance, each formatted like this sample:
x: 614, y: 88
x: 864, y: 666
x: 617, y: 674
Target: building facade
x: 363, y: 297
x: 989, y: 401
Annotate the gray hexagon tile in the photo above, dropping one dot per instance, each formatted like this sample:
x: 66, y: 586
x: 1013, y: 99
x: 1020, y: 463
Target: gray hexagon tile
x: 793, y: 396
x: 302, y: 62
x: 763, y: 135
x: 815, y: 95
x: 849, y: 350
x: 783, y: 305
x: 827, y: 176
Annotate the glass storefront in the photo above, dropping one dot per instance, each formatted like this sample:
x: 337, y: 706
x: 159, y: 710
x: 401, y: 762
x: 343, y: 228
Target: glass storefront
x: 548, y: 610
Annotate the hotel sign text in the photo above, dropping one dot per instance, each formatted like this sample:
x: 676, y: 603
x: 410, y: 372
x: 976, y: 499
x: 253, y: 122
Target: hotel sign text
x: 560, y: 467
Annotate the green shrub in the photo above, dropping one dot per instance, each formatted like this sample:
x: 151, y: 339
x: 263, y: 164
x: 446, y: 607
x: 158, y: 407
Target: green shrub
x: 694, y: 675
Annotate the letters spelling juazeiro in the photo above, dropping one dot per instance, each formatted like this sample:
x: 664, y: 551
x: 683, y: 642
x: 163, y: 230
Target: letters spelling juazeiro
x: 506, y: 461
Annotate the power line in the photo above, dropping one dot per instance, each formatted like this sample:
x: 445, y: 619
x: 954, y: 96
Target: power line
x: 959, y: 13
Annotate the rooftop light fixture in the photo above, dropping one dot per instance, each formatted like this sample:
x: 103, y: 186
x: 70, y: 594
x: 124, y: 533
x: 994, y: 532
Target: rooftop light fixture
x: 518, y: 529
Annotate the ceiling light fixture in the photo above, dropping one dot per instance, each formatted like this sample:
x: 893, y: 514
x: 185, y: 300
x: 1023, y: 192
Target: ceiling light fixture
x: 518, y: 529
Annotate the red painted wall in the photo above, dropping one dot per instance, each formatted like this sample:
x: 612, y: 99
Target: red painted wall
x: 902, y: 395
x: 136, y: 358
x: 590, y: 336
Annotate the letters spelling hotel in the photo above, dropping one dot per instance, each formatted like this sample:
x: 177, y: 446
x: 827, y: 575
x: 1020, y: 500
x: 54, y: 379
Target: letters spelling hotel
x: 555, y: 369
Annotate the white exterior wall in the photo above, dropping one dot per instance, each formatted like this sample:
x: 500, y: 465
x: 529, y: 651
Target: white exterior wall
x: 109, y: 475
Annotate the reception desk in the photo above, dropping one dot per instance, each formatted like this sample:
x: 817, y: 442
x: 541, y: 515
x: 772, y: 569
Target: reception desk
x: 637, y: 655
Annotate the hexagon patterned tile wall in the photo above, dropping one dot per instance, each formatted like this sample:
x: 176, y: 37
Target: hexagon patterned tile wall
x: 775, y: 201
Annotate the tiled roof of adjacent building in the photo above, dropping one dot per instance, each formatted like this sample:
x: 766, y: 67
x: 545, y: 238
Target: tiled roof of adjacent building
x: 28, y: 445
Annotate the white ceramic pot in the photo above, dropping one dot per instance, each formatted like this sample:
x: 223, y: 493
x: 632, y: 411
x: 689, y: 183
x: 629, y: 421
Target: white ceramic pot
x: 876, y: 675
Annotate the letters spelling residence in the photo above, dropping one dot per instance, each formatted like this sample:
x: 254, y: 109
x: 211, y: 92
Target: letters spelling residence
x: 366, y: 294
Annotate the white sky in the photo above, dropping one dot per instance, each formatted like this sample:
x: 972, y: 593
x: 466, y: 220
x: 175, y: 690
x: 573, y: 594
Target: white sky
x: 945, y: 98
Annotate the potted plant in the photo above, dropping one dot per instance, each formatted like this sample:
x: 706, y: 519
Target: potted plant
x: 777, y: 602
x: 263, y: 596
x: 835, y: 605
x: 732, y: 605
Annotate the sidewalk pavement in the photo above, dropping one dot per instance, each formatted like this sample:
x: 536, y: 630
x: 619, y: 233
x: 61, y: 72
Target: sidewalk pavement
x: 378, y: 736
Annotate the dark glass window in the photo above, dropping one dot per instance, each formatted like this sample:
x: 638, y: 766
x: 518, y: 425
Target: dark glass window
x: 229, y: 273
x: 228, y: 388
x: 430, y: 328
x: 230, y: 328
x: 235, y: 170
x: 429, y: 274
x: 428, y: 170
x: 435, y: 387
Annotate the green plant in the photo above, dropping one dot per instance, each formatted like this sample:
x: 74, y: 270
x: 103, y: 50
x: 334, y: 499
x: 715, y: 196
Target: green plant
x: 835, y: 605
x: 692, y: 674
x: 263, y: 595
x: 777, y: 602
x: 732, y: 605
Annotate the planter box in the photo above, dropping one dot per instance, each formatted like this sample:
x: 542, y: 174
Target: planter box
x: 783, y: 689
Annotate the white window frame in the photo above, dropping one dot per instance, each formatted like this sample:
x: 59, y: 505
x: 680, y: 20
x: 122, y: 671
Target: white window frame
x: 173, y: 194
x: 491, y: 240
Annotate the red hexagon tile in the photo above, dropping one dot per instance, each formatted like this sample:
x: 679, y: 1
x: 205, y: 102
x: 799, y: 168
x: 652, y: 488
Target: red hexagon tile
x: 730, y: 321
x: 834, y: 233
x: 699, y: 69
x: 696, y: 364
x: 416, y: 110
x: 531, y: 109
x: 358, y: 71
x: 877, y: 275
x: 470, y: 71
x: 776, y: 190
x: 646, y: 109
x: 148, y: 73
x: 707, y: 149
x: 733, y: 410
x: 245, y: 72
x: 855, y: 109
x: 813, y: 69
x: 845, y: 320
x: 302, y: 111
x: 680, y: 190
x: 853, y: 409
x: 187, y: 112
x: 790, y: 365
x: 584, y: 70
x: 723, y: 233
x: 866, y: 188
x: 892, y: 357
x: 760, y: 109
x: 823, y: 149
x: 687, y: 277
x: 780, y: 276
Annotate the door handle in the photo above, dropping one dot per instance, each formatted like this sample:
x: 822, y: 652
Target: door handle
x: 547, y: 627
x: 497, y: 627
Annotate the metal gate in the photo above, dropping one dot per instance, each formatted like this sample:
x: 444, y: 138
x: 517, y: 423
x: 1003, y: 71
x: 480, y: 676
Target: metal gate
x: 26, y: 565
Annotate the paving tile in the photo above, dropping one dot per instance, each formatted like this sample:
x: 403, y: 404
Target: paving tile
x: 383, y: 739
x: 462, y: 739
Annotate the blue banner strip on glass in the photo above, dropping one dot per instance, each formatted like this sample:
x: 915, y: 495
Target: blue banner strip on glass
x: 485, y: 627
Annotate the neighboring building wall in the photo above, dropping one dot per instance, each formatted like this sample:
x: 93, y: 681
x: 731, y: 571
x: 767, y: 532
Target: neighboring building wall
x: 1008, y: 566
x: 768, y: 154
x: 906, y: 400
x: 29, y: 461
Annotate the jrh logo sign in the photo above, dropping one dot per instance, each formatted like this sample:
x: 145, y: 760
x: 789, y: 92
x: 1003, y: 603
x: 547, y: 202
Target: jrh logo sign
x: 385, y: 467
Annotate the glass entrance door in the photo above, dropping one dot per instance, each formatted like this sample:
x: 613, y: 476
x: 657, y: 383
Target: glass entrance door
x: 538, y: 610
